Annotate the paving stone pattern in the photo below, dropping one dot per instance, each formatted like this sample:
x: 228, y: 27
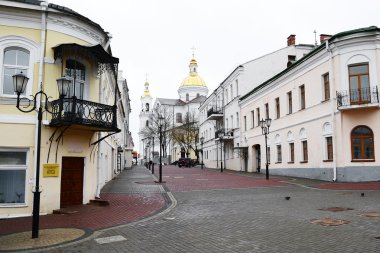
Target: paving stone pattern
x: 236, y: 216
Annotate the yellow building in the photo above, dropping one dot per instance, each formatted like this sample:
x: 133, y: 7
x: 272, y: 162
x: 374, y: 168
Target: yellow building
x: 45, y: 42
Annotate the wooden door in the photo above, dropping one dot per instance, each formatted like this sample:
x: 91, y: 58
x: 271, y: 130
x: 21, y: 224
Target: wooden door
x: 72, y: 181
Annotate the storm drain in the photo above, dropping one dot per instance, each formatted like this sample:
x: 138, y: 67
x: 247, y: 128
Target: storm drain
x: 371, y: 214
x: 336, y: 209
x: 329, y: 222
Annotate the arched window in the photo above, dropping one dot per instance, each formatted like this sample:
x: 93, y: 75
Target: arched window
x: 147, y: 107
x: 147, y: 123
x: 187, y: 96
x: 16, y: 60
x: 362, y: 143
x: 77, y: 71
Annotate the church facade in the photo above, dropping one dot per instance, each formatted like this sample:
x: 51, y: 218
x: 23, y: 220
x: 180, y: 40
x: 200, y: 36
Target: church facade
x: 181, y: 111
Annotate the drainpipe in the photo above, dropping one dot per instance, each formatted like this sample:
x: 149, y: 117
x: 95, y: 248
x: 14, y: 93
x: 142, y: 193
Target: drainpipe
x: 44, y: 6
x: 332, y: 89
x: 98, y: 167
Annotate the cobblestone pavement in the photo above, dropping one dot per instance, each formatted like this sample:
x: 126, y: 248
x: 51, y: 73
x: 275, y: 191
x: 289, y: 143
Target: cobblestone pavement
x: 243, y: 212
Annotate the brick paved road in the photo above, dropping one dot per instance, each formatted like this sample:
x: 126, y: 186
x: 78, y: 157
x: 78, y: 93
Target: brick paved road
x: 253, y: 218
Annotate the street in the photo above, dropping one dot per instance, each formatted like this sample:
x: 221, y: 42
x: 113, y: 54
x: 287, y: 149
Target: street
x: 209, y: 211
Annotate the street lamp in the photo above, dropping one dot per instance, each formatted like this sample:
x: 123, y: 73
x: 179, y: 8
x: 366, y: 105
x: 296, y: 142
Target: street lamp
x: 265, y: 124
x: 148, y: 154
x: 153, y: 155
x: 202, y: 140
x: 19, y: 84
x: 220, y: 135
x: 160, y: 124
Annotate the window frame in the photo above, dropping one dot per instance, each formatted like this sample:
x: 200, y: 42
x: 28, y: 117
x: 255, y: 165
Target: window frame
x: 290, y: 102
x: 302, y: 97
x: 326, y: 86
x: 277, y: 102
x: 361, y: 145
x: 23, y: 167
x: 304, y: 151
x: 291, y: 152
x: 359, y: 75
x: 278, y: 153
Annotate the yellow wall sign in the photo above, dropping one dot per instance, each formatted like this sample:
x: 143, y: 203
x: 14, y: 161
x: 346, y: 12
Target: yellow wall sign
x: 51, y: 170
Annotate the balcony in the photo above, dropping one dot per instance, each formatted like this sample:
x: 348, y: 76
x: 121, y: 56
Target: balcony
x: 358, y: 98
x: 228, y: 134
x: 214, y: 113
x: 83, y: 114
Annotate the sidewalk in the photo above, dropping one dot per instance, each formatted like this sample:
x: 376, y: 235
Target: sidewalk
x: 129, y: 201
x: 133, y: 195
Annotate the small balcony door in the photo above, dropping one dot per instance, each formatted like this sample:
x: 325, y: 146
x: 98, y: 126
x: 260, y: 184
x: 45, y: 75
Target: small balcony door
x: 360, y: 92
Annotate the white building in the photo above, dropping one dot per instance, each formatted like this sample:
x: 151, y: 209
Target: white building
x: 324, y: 110
x: 220, y: 113
x: 192, y: 92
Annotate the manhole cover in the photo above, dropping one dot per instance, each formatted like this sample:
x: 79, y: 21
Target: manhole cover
x: 371, y: 214
x: 336, y: 209
x: 329, y: 222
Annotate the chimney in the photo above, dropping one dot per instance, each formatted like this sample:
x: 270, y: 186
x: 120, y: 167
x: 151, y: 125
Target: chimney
x: 291, y: 39
x: 324, y: 37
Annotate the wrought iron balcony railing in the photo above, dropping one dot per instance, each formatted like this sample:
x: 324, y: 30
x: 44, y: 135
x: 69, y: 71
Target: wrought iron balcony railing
x: 352, y: 97
x: 73, y: 111
x: 214, y: 110
x: 227, y: 133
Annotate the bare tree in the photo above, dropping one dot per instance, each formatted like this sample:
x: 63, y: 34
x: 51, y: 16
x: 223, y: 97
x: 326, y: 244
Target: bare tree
x: 153, y: 127
x: 187, y: 134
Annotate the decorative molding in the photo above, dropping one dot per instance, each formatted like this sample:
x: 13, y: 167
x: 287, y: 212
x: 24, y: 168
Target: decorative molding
x: 17, y: 119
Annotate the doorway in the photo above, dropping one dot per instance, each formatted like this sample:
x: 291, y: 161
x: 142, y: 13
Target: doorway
x: 256, y: 158
x: 72, y: 181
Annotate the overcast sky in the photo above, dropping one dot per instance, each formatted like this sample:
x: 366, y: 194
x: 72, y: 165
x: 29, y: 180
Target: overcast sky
x: 155, y: 37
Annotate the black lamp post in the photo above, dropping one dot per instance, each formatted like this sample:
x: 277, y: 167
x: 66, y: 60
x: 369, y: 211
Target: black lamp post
x: 265, y: 124
x: 153, y: 155
x: 148, y: 154
x: 160, y: 124
x: 19, y: 84
x: 221, y: 134
x: 202, y: 140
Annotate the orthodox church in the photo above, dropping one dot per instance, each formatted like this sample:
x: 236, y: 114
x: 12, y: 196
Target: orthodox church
x: 192, y: 93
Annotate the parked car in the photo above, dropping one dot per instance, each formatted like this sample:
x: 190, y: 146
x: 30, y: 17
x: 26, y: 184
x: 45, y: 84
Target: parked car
x: 185, y: 162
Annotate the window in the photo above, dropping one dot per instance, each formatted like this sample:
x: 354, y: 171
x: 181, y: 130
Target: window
x: 226, y: 96
x: 329, y: 148
x: 258, y: 116
x: 304, y: 151
x: 16, y: 60
x: 178, y: 117
x: 147, y: 107
x: 252, y: 119
x: 197, y: 94
x: 237, y: 87
x: 290, y: 102
x: 245, y: 123
x: 147, y: 123
x: 187, y: 96
x: 362, y: 143
x: 267, y: 111
x: 302, y: 97
x: 291, y: 152
x: 277, y: 101
x: 279, y: 154
x: 12, y: 176
x: 326, y: 86
x: 226, y: 123
x: 232, y: 121
x: 232, y: 92
x: 268, y: 154
x: 359, y: 83
x: 237, y: 120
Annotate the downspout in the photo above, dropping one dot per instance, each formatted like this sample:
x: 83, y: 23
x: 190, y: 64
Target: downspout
x: 98, y: 167
x: 44, y: 6
x: 332, y: 88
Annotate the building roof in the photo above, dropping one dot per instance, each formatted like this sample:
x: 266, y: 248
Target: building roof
x: 170, y: 101
x: 308, y: 56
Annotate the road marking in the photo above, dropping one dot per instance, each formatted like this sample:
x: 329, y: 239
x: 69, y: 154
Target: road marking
x: 116, y: 238
x: 205, y: 179
x: 179, y: 177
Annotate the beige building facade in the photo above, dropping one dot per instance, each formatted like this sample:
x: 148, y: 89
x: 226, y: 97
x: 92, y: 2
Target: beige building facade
x: 45, y: 42
x: 324, y: 110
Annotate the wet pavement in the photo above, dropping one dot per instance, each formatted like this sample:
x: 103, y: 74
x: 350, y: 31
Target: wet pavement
x: 209, y: 211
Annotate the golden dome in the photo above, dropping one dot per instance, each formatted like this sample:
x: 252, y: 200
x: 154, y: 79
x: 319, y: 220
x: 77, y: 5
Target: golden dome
x: 146, y: 91
x: 193, y: 79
